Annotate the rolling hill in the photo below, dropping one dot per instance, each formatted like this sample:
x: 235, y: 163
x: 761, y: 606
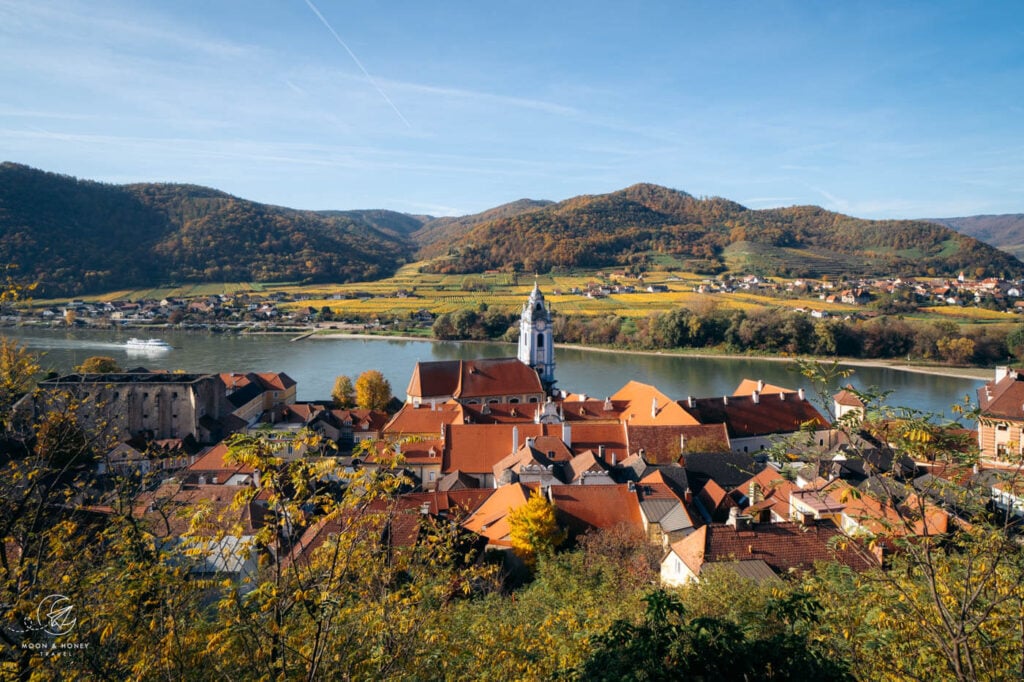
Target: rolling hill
x: 77, y: 236
x: 640, y: 222
x: 1004, y: 232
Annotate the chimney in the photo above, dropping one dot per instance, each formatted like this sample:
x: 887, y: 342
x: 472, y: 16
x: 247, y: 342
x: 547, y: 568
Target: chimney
x: 631, y: 486
x: 608, y: 407
x: 600, y: 452
x: 760, y: 385
x: 654, y: 407
x: 756, y: 397
x: 536, y: 415
x: 530, y: 442
x: 689, y: 401
x: 800, y: 394
x: 613, y: 459
x: 515, y: 438
x: 682, y: 442
x: 688, y: 496
x: 567, y: 435
x: 725, y: 400
x: 782, y: 396
x: 433, y: 404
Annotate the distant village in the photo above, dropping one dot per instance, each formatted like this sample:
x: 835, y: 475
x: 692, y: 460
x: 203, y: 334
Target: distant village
x: 759, y: 481
x: 252, y: 310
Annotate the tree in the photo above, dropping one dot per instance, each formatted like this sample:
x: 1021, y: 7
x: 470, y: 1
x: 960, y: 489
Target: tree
x: 343, y: 392
x: 98, y: 364
x: 534, y: 530
x: 18, y: 368
x: 373, y: 391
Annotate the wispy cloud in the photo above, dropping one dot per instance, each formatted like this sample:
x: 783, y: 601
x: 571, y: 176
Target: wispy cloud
x: 358, y: 63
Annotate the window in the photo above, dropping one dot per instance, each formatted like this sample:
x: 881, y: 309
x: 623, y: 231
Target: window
x: 540, y: 340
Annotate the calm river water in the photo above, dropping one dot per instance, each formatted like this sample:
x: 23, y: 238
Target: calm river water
x: 314, y: 363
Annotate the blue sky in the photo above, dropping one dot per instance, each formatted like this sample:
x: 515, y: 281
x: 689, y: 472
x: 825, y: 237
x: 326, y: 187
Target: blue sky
x: 875, y: 109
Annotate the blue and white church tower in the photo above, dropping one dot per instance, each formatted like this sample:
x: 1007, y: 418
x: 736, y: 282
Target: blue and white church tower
x: 536, y: 343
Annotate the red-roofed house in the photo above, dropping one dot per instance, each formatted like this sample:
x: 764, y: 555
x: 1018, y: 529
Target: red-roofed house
x: 474, y: 382
x: 755, y: 421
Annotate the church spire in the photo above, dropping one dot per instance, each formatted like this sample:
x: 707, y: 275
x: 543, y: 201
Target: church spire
x: 536, y: 342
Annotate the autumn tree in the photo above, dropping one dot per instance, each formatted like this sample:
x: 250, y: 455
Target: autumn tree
x: 343, y: 392
x: 98, y: 364
x: 18, y: 368
x: 534, y: 530
x: 373, y: 391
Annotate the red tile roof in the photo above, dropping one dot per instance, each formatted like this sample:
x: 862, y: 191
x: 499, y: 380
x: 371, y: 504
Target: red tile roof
x: 490, y: 519
x: 746, y: 417
x: 665, y: 444
x: 783, y: 546
x: 474, y: 379
x: 748, y: 386
x: 412, y: 420
x: 476, y: 448
x: 1003, y: 398
x: 583, y: 507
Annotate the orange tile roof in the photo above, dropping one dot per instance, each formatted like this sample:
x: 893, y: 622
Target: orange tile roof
x: 275, y: 381
x: 474, y: 378
x: 170, y: 509
x: 748, y: 386
x: 213, y: 461
x: 774, y: 490
x: 490, y: 519
x: 583, y: 507
x: 847, y: 398
x: 592, y: 435
x: 476, y: 448
x: 649, y: 406
x: 412, y: 420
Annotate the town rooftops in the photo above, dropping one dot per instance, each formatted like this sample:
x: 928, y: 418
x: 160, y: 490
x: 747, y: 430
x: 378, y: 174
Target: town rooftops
x: 125, y: 378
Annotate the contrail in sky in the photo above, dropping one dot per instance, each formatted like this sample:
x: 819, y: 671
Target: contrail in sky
x: 358, y: 63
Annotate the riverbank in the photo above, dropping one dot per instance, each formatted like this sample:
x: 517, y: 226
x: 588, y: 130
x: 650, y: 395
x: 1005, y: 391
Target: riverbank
x: 972, y: 373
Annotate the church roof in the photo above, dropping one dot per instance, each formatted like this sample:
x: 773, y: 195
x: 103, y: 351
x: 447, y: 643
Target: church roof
x: 473, y: 378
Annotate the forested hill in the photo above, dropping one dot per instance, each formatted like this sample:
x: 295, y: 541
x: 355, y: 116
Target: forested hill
x: 1002, y: 231
x: 76, y: 236
x: 711, y: 235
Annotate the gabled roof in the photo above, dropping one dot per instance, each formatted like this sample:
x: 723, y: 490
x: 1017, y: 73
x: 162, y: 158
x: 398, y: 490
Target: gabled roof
x: 772, y: 489
x: 648, y: 406
x: 425, y: 419
x: 748, y: 386
x: 585, y: 462
x: 363, y: 419
x: 275, y: 381
x: 490, y: 519
x: 212, y: 462
x: 451, y: 503
x: 665, y: 444
x: 457, y: 480
x: 594, y: 435
x: 727, y: 469
x: 747, y: 416
x: 847, y: 398
x: 584, y: 507
x: 476, y: 448
x: 1003, y: 398
x: 473, y: 378
x: 783, y: 546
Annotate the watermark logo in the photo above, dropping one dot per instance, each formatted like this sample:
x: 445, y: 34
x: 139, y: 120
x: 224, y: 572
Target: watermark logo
x: 55, y: 615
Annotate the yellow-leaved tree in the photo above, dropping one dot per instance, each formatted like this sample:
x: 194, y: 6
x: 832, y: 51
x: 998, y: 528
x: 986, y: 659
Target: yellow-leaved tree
x: 534, y: 530
x: 373, y: 391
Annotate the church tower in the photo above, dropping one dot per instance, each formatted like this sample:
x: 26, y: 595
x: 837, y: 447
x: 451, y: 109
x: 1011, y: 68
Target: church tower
x: 536, y: 343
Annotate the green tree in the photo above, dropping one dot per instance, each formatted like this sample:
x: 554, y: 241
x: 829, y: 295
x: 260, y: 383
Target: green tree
x: 98, y: 364
x: 534, y: 529
x: 343, y: 392
x: 373, y: 391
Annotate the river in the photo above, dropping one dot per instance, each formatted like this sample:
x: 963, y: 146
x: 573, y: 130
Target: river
x: 314, y: 362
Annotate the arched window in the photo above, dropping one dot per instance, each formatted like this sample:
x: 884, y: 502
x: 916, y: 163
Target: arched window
x: 540, y: 340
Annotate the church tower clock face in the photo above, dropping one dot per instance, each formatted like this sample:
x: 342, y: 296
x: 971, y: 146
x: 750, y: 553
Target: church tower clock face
x: 540, y: 324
